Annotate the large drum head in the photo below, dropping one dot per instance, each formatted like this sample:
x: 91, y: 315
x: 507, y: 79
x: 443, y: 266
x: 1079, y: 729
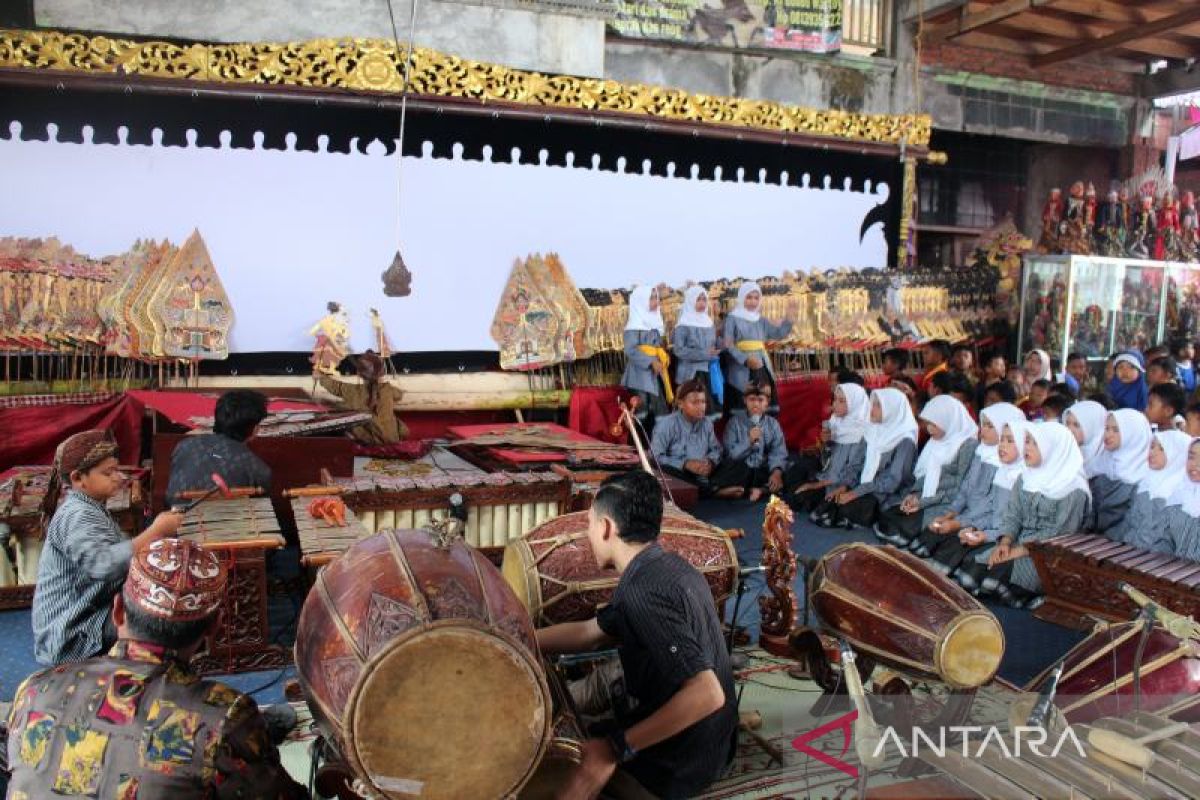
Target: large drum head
x: 520, y: 573
x: 424, y: 691
x: 971, y: 650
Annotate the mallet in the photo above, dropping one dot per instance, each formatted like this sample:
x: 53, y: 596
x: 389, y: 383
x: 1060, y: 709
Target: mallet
x: 219, y: 485
x: 1127, y: 748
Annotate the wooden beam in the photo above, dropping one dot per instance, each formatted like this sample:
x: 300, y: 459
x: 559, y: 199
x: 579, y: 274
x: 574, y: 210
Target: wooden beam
x: 1105, y: 10
x: 1020, y: 46
x: 1144, y: 30
x: 1169, y: 81
x: 969, y: 20
x: 1163, y: 48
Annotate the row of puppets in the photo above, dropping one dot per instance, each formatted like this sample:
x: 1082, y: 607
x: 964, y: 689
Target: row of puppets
x: 1138, y: 219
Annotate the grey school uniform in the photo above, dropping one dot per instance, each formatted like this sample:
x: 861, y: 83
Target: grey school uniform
x: 637, y: 364
x: 1144, y: 524
x: 893, y: 476
x: 739, y: 330
x: 991, y: 528
x: 1111, y: 500
x: 845, y: 465
x: 973, y: 505
x: 692, y: 346
x: 676, y: 440
x: 949, y: 482
x: 1184, y: 532
x: 771, y: 448
x: 1031, y: 517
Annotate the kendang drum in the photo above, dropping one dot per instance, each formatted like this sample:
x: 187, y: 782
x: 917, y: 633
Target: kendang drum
x: 1098, y: 675
x: 554, y: 573
x: 421, y: 668
x: 889, y: 604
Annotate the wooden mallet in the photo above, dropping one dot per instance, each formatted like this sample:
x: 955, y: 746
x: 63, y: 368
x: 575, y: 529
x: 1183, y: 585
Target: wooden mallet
x: 219, y: 485
x: 1129, y: 749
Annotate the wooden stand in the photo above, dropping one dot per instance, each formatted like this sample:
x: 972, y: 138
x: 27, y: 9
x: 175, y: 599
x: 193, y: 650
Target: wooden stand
x: 779, y: 606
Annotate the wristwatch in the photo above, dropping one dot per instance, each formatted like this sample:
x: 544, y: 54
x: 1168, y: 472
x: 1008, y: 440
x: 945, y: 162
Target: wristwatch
x: 621, y: 748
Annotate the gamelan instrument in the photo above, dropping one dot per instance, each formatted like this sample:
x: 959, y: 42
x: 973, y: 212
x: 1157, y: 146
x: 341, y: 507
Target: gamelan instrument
x: 240, y: 530
x: 1082, y: 575
x: 22, y: 493
x: 500, y: 506
x: 218, y: 486
x: 421, y: 668
x: 554, y: 573
x: 565, y: 752
x: 1099, y: 677
x: 893, y: 607
x: 321, y: 539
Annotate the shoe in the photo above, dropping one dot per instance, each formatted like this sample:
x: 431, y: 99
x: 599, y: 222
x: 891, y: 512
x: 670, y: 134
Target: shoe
x: 940, y: 568
x: 989, y: 585
x: 965, y: 579
x: 1034, y: 603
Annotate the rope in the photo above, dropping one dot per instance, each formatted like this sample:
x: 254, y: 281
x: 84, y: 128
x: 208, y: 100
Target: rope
x: 412, y: 29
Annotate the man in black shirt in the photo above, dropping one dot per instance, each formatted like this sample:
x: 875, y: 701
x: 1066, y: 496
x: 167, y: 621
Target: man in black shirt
x: 678, y: 735
x: 223, y: 451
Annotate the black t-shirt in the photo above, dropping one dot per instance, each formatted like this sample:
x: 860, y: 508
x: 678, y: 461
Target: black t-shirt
x: 197, y: 457
x: 663, y: 616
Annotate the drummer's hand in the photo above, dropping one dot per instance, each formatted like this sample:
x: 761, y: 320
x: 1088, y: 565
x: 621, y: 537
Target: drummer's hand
x: 754, y: 362
x: 586, y: 780
x: 775, y: 482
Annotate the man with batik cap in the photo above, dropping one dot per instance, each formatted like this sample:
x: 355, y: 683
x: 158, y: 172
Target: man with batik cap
x: 137, y: 722
x: 375, y: 396
x: 85, y: 554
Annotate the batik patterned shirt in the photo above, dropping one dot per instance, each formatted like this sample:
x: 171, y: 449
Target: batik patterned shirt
x: 137, y: 724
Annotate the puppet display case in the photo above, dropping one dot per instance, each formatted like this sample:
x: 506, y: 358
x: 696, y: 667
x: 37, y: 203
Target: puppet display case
x: 1097, y: 306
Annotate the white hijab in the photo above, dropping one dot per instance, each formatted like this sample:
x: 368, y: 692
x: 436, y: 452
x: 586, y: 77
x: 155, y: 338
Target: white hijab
x: 1007, y: 474
x: 851, y: 428
x: 1128, y: 462
x: 641, y: 318
x: 740, y: 310
x: 1160, y: 483
x: 689, y: 316
x: 1091, y: 417
x: 1045, y: 374
x: 999, y: 414
x: 882, y: 437
x: 1187, y: 493
x: 1061, y: 470
x: 951, y: 416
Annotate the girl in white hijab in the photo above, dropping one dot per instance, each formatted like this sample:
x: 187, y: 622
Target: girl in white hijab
x: 1183, y: 509
x: 847, y: 448
x: 971, y: 507
x: 939, y: 472
x: 694, y: 342
x: 745, y: 337
x: 1085, y: 420
x: 891, y: 439
x: 1037, y: 367
x: 1049, y: 499
x: 1122, y: 465
x: 645, y: 359
x: 1142, y: 526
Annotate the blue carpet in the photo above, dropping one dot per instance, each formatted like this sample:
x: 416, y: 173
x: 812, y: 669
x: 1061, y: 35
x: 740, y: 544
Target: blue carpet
x: 1031, y: 644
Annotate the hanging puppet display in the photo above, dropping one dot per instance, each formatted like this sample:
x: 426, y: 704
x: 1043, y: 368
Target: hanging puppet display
x: 332, y: 333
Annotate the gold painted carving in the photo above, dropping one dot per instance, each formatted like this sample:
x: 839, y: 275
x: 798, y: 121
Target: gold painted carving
x: 376, y: 66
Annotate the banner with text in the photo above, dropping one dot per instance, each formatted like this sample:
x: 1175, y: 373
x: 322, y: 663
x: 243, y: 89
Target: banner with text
x: 813, y: 26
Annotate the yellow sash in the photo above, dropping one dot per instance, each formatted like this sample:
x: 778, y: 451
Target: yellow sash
x: 751, y: 345
x: 665, y: 360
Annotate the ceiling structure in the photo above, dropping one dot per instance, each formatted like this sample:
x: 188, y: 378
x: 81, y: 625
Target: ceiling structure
x: 1126, y: 35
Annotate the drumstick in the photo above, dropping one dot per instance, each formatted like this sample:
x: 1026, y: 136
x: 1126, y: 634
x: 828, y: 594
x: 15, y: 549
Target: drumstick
x: 1178, y: 625
x: 1130, y: 750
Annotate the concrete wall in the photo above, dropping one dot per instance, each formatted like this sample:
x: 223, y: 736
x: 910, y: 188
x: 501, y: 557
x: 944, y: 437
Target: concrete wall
x: 1050, y: 166
x: 549, y: 40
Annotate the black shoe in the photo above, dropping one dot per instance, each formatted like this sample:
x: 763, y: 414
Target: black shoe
x: 965, y: 579
x: 279, y: 719
x: 920, y: 550
x: 1034, y: 603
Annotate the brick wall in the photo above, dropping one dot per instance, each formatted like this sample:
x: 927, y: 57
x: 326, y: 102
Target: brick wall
x: 1010, y: 65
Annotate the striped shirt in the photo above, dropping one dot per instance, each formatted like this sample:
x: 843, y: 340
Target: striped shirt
x: 83, y: 564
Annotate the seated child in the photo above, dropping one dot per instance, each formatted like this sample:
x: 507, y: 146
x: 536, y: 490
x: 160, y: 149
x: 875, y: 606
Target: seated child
x: 1183, y: 509
x: 891, y: 439
x: 1055, y: 405
x: 999, y: 392
x: 1049, y: 499
x: 1032, y: 405
x: 755, y: 452
x: 972, y: 506
x: 1159, y: 371
x: 1127, y: 387
x: 1167, y: 469
x: 1165, y: 407
x: 684, y: 443
x: 939, y: 472
x: 1124, y: 462
x: 85, y: 556
x: 847, y: 448
x: 1085, y: 420
x: 977, y: 542
x: 1185, y: 370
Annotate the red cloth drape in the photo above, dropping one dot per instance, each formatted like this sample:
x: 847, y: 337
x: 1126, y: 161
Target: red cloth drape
x: 30, y: 434
x: 595, y: 409
x: 804, y: 403
x: 180, y: 407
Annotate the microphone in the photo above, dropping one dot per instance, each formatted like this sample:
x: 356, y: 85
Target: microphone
x: 1040, y: 713
x: 746, y: 572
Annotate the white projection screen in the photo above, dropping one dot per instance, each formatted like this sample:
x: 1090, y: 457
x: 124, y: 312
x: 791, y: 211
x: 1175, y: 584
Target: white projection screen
x: 292, y: 229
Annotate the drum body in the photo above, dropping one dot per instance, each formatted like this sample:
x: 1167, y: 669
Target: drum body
x: 889, y: 604
x: 554, y: 573
x: 565, y: 753
x: 421, y: 666
x: 1098, y: 679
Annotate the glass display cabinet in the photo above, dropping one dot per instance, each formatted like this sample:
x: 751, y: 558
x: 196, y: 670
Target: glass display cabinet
x: 1097, y: 306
